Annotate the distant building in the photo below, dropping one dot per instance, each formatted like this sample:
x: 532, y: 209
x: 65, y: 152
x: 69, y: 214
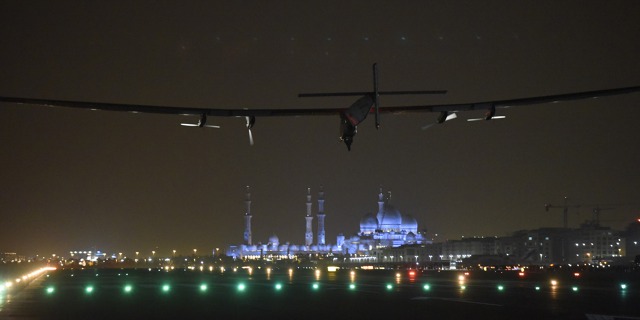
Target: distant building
x: 592, y: 244
x: 390, y: 236
x: 632, y: 235
x: 386, y: 229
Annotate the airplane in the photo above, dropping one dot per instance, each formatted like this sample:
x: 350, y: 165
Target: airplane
x: 350, y: 117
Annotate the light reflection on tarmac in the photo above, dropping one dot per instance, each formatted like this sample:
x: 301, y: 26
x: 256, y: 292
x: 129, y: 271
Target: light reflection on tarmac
x: 378, y: 294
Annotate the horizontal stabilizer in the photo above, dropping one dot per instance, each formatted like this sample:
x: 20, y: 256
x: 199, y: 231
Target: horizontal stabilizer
x: 362, y: 93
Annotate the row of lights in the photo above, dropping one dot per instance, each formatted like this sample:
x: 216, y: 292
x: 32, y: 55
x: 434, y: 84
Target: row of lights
x: 241, y: 287
x: 8, y: 284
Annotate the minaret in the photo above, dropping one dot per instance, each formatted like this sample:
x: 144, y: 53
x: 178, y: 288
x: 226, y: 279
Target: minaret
x: 321, y: 217
x: 380, y: 206
x: 308, y: 236
x: 247, y: 218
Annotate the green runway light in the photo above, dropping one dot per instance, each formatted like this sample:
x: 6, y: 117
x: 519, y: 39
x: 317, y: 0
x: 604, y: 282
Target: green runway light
x: 389, y: 286
x: 574, y: 289
x: 426, y: 287
x: 537, y: 288
x: 166, y: 288
x: 88, y: 289
x: 352, y: 286
x: 128, y: 288
x: 623, y: 286
x: 315, y: 286
x: 50, y: 290
x: 241, y: 287
x: 463, y: 287
x: 500, y: 288
x: 203, y: 287
x: 278, y: 286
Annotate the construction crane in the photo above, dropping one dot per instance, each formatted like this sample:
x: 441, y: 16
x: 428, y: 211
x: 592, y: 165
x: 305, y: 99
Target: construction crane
x: 565, y: 210
x: 597, y: 208
x: 596, y: 214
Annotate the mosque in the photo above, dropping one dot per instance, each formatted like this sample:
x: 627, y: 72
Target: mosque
x: 388, y: 228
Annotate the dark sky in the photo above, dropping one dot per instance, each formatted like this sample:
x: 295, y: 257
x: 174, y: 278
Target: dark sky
x: 75, y: 179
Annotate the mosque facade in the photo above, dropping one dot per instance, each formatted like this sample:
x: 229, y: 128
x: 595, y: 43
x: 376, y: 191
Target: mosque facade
x: 387, y: 228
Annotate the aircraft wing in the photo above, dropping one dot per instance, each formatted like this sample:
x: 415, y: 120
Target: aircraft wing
x: 273, y: 112
x: 138, y: 108
x: 512, y: 102
x: 350, y: 117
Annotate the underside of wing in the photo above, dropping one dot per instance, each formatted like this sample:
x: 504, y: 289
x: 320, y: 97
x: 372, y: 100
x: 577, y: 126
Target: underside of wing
x: 485, y: 105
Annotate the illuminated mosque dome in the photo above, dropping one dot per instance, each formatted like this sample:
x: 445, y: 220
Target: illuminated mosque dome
x: 409, y: 224
x: 368, y: 223
x: 389, y: 219
x: 273, y: 240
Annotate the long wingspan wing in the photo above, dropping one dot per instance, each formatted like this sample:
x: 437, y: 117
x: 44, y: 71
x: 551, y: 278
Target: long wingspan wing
x: 271, y: 112
x: 218, y: 112
x: 512, y: 102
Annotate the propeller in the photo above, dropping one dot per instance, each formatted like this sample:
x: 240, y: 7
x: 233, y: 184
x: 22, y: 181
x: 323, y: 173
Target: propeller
x: 444, y: 116
x: 251, y: 120
x: 490, y: 115
x: 492, y: 118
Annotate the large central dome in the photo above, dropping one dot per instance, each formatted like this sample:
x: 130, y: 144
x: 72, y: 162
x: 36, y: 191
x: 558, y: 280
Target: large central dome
x: 389, y: 218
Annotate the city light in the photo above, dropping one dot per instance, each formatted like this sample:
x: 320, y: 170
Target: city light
x: 554, y: 283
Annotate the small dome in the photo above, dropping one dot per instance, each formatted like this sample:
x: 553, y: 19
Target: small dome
x: 411, y: 236
x: 368, y: 223
x: 409, y: 224
x: 313, y: 248
x: 293, y: 248
x: 273, y: 240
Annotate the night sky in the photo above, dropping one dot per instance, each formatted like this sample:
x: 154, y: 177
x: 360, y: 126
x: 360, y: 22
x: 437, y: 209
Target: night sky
x: 120, y: 182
